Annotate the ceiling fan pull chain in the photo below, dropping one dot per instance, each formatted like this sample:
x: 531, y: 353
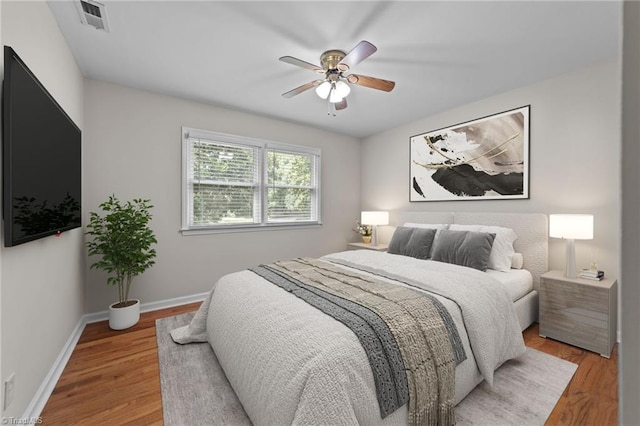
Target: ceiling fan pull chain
x: 331, y: 108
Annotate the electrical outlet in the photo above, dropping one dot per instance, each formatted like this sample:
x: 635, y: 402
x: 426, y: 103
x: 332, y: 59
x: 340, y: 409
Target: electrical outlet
x: 9, y: 390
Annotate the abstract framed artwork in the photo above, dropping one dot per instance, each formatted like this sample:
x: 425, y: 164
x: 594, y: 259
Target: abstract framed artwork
x: 482, y: 159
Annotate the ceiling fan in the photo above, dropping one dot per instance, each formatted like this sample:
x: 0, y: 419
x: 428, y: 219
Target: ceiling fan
x: 334, y: 87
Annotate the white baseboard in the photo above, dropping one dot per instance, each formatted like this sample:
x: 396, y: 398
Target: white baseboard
x: 41, y: 397
x: 35, y: 407
x: 151, y: 306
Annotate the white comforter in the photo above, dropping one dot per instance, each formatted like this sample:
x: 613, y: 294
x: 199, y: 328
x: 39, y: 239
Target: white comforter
x: 291, y: 364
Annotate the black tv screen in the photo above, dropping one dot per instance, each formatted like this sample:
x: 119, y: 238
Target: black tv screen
x: 41, y: 148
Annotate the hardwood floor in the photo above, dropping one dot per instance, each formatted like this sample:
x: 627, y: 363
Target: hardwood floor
x: 112, y: 378
x: 592, y: 395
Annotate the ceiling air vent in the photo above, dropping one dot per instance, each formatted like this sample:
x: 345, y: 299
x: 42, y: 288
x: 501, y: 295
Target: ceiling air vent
x: 93, y: 14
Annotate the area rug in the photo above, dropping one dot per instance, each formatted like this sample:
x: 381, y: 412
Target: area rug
x: 195, y: 390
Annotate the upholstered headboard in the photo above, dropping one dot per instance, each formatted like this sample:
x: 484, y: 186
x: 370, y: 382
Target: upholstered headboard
x: 532, y: 230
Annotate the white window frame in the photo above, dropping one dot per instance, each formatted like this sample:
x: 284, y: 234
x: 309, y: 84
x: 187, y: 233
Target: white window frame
x: 263, y: 146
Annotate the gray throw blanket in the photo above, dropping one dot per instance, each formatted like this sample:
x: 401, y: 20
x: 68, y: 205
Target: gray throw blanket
x: 410, y: 340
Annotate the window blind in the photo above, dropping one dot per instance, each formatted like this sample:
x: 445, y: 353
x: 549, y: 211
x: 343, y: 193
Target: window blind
x: 291, y: 187
x: 234, y: 182
x: 224, y: 183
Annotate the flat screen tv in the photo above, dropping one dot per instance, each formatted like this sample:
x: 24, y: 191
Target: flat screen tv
x: 41, y: 149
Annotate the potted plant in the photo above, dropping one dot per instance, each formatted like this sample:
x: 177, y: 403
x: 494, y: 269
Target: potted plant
x: 123, y: 239
x: 365, y: 231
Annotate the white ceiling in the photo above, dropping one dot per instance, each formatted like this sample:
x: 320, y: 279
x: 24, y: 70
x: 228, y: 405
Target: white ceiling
x: 440, y: 54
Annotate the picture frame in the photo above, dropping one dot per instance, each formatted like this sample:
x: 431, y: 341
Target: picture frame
x: 482, y: 159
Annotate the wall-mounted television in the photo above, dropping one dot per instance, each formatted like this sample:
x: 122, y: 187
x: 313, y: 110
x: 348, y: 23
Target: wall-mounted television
x: 41, y: 149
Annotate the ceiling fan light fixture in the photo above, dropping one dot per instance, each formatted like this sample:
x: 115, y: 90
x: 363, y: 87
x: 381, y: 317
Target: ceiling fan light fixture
x: 334, y: 97
x: 342, y: 89
x: 323, y: 89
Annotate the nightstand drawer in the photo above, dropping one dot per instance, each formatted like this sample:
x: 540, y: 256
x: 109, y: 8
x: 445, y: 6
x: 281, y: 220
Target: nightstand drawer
x: 590, y: 301
x: 575, y: 329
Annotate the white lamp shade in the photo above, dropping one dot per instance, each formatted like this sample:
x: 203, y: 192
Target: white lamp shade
x: 324, y: 89
x: 334, y: 97
x: 342, y: 89
x: 571, y: 226
x: 374, y: 218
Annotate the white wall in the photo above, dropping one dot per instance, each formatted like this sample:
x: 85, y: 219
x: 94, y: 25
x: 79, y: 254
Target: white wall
x: 574, y: 158
x: 629, y: 375
x: 133, y: 149
x: 42, y: 281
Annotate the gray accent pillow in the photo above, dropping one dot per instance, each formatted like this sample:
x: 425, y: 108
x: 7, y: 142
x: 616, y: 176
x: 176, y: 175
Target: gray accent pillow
x: 465, y: 248
x: 414, y: 242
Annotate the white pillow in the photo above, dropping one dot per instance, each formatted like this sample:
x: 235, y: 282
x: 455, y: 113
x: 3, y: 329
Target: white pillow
x: 517, y: 261
x: 427, y: 225
x: 502, y: 250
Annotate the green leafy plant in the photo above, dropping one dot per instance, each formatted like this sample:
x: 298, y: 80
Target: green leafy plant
x: 123, y: 239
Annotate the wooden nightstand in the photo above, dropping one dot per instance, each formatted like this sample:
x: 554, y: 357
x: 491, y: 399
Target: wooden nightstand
x: 578, y: 311
x: 365, y: 246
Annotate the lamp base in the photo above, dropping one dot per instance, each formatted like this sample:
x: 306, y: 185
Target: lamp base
x: 571, y: 271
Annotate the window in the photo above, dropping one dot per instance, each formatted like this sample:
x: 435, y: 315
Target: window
x: 232, y: 182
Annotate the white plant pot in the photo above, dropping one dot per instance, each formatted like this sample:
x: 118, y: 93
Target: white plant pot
x: 121, y: 318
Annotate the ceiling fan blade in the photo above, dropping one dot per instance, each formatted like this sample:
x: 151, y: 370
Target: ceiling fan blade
x: 372, y: 82
x: 362, y: 51
x: 341, y: 105
x: 300, y: 89
x: 300, y: 63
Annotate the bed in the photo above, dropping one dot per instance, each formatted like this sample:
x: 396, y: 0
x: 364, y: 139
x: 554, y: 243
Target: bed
x: 291, y: 363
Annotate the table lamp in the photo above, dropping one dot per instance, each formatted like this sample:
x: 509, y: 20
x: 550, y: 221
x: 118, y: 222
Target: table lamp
x: 374, y: 218
x: 571, y: 227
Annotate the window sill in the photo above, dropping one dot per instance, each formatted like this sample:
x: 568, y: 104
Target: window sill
x: 249, y: 228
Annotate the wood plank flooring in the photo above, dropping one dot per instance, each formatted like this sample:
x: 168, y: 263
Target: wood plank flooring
x: 112, y: 378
